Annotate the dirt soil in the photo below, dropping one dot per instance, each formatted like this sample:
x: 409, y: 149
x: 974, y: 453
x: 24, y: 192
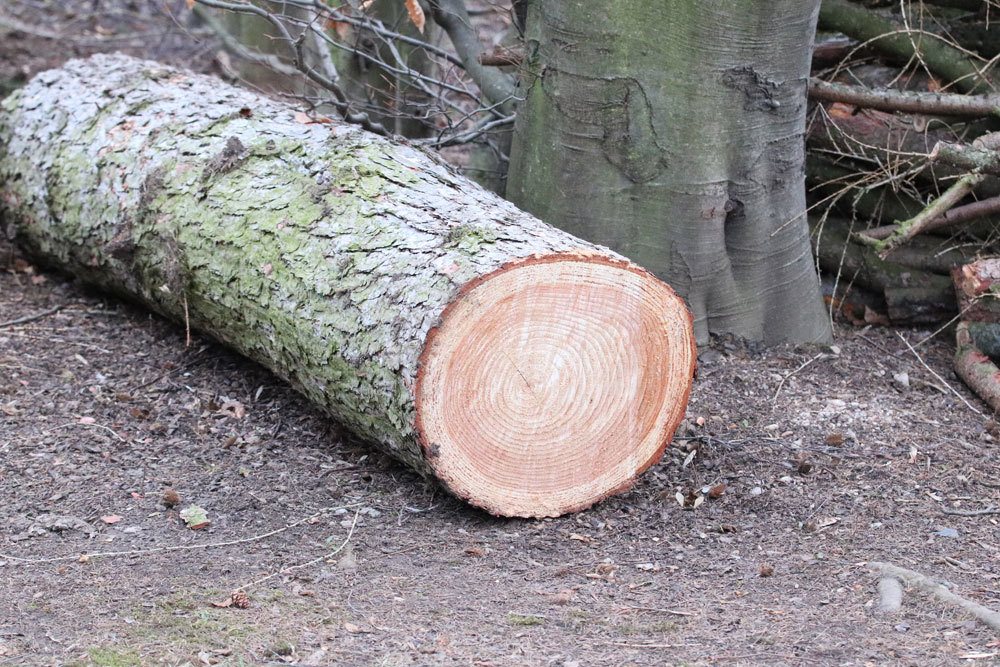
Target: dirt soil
x: 822, y: 460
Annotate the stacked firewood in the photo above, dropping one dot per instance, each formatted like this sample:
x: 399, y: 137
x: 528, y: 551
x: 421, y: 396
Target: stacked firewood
x: 904, y: 168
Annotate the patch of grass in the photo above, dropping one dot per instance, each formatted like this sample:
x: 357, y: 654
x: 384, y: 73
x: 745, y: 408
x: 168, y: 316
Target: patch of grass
x: 524, y: 619
x: 664, y: 626
x: 178, y: 602
x: 111, y: 657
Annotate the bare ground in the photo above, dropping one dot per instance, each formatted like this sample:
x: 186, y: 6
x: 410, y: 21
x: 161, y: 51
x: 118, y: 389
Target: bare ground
x: 830, y: 459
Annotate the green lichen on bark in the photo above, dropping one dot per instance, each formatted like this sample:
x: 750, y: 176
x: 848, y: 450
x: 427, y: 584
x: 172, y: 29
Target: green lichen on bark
x: 323, y: 252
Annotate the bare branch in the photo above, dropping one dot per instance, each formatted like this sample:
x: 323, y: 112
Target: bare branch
x: 339, y: 101
x: 908, y: 102
x: 498, y: 87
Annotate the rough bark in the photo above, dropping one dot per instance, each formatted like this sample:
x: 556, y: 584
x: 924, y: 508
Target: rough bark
x: 529, y: 371
x: 645, y: 130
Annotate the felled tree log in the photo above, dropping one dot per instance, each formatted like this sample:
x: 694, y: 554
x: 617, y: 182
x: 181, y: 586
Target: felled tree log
x: 530, y: 372
x: 975, y: 368
x: 977, y: 285
x: 911, y: 296
x: 977, y: 337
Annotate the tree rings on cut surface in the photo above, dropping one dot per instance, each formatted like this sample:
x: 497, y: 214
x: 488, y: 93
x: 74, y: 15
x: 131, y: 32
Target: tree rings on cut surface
x: 552, y: 383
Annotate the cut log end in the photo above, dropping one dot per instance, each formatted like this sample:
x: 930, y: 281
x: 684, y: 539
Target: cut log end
x: 552, y: 383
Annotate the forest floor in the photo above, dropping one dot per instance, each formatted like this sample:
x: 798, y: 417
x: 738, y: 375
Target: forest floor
x: 824, y: 459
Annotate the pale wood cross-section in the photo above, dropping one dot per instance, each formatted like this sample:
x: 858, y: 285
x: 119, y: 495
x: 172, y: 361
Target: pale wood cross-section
x: 553, y: 384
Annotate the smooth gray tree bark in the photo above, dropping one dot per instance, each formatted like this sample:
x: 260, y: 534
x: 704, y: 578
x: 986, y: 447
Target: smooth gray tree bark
x: 673, y: 133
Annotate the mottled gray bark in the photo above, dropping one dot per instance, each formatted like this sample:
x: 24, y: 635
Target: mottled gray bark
x: 673, y: 133
x: 324, y: 252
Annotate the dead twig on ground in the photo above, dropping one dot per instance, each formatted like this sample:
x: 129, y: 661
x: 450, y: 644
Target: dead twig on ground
x: 890, y: 595
x: 292, y: 568
x: 672, y: 612
x: 982, y: 512
x: 916, y: 580
x: 155, y: 550
x: 774, y: 399
x: 30, y: 318
x: 100, y: 426
x: 935, y: 374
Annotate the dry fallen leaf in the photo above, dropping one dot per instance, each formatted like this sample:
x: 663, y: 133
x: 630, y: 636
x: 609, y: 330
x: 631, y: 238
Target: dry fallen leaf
x: 233, y: 409
x: 237, y: 598
x: 416, y: 13
x: 716, y: 491
x: 341, y: 28
x: 306, y: 119
x: 841, y: 110
x: 562, y: 597
x: 171, y: 497
x: 356, y: 629
x: 825, y: 522
x: 195, y: 517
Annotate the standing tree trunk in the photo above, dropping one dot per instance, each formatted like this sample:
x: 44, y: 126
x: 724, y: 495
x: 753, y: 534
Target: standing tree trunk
x: 673, y: 133
x: 531, y: 372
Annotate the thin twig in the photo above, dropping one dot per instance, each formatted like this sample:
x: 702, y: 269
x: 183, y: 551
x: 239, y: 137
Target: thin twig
x: 954, y: 216
x: 982, y: 512
x: 187, y: 324
x: 940, y: 379
x: 931, y: 587
x: 774, y: 399
x: 907, y: 229
x: 30, y: 318
x: 155, y: 550
x: 100, y: 426
x: 292, y: 568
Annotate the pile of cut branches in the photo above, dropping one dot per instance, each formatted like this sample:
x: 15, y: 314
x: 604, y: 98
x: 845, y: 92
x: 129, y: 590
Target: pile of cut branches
x: 904, y: 169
